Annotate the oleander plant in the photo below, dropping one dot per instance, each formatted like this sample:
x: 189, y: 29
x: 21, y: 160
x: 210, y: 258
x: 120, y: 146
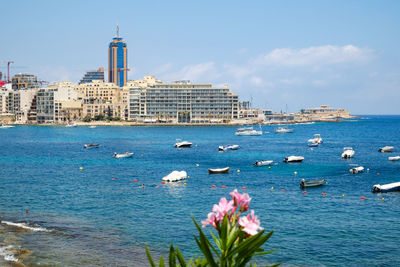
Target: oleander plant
x: 237, y: 239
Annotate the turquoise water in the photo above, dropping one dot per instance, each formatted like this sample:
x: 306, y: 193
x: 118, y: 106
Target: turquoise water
x: 100, y: 216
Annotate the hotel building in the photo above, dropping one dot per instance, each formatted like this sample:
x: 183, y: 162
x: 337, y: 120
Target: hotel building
x: 118, y: 61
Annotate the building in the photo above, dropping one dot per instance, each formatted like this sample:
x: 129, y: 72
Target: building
x: 118, y: 61
x: 93, y: 75
x: 24, y: 81
x: 58, y: 103
x: 20, y: 102
x: 324, y: 112
x: 181, y: 102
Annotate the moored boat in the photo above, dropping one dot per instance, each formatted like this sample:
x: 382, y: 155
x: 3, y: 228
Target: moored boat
x: 215, y: 171
x: 4, y: 126
x: 283, y: 130
x: 386, y: 187
x: 348, y: 152
x: 395, y: 158
x: 71, y: 124
x: 260, y: 163
x: 122, y: 155
x: 312, y: 144
x: 175, y: 176
x: 312, y: 183
x: 293, y: 159
x: 316, y: 139
x: 248, y: 131
x: 386, y: 149
x: 228, y: 147
x: 357, y: 169
x: 91, y: 146
x: 92, y: 126
x: 183, y: 144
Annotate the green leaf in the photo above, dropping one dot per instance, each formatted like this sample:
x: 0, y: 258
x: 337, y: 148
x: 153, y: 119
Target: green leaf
x: 181, y: 260
x: 205, y: 245
x: 216, y: 241
x: 161, y: 264
x: 171, y: 258
x: 149, y: 257
x: 254, y: 245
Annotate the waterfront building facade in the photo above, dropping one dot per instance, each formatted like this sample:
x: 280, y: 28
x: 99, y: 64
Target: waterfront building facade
x: 118, y: 61
x: 182, y: 102
x: 19, y: 103
x: 93, y: 75
x: 24, y: 81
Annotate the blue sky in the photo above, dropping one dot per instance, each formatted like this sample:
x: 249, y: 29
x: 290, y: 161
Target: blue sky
x: 277, y: 53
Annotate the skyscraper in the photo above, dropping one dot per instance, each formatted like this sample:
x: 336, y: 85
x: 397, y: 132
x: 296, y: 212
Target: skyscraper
x: 118, y: 61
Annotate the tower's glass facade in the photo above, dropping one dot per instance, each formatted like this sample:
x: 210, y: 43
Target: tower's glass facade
x: 118, y: 62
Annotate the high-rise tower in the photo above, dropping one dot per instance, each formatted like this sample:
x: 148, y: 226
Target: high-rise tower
x: 118, y: 61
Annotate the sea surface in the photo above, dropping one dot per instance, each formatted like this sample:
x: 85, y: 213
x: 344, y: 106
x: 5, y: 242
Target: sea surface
x: 62, y: 205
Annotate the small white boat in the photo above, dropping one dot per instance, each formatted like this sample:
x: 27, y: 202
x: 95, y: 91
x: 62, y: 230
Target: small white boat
x: 175, y: 176
x: 228, y: 147
x: 357, y: 169
x: 92, y: 126
x: 317, y: 139
x: 293, y: 159
x: 248, y: 131
x: 222, y: 170
x: 386, y: 149
x: 6, y: 126
x: 283, y: 130
x: 395, y: 158
x: 313, y: 144
x: 182, y: 144
x: 260, y: 163
x: 71, y: 124
x: 91, y: 146
x: 386, y: 187
x: 348, y: 152
x: 122, y: 155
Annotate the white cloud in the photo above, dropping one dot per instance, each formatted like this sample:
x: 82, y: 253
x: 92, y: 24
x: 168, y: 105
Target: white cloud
x: 201, y: 72
x: 314, y: 56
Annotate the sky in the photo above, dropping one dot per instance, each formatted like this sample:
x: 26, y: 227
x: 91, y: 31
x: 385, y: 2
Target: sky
x: 276, y: 54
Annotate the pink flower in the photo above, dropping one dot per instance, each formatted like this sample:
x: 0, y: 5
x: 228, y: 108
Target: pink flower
x: 241, y: 200
x: 222, y: 208
x: 211, y: 220
x: 250, y: 225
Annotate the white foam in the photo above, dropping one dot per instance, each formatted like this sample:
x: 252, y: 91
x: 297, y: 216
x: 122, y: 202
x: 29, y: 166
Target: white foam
x: 8, y: 256
x: 25, y: 226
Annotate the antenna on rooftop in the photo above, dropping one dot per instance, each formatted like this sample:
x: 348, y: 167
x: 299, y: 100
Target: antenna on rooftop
x: 117, y: 31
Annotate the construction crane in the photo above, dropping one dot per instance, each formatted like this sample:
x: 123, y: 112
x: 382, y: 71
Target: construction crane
x: 7, y: 78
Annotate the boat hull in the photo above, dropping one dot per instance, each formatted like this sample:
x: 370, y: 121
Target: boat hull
x: 312, y: 183
x: 218, y: 171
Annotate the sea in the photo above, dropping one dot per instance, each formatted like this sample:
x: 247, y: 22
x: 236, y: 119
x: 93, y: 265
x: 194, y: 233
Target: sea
x: 63, y: 205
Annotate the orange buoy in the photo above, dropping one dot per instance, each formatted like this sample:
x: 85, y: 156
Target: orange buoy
x: 20, y: 184
x: 223, y: 186
x: 324, y: 194
x: 377, y: 174
x: 304, y: 192
x: 113, y: 179
x: 163, y: 182
x: 363, y: 197
x: 26, y: 211
x: 213, y: 185
x: 282, y: 190
x: 243, y: 187
x: 135, y: 181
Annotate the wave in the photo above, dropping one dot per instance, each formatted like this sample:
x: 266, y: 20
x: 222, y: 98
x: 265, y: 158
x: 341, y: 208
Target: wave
x: 26, y: 226
x: 7, y: 253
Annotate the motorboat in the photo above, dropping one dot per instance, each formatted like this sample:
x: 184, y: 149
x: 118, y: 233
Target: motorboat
x: 248, y: 131
x: 183, y: 144
x: 313, y: 144
x: 260, y: 163
x: 91, y: 146
x: 228, y: 147
x: 395, y: 158
x: 92, y: 126
x: 283, y: 130
x: 316, y: 139
x: 71, y: 124
x: 215, y: 171
x: 175, y: 176
x: 122, y: 155
x: 348, y: 152
x: 312, y: 183
x: 386, y: 187
x: 4, y: 126
x: 386, y: 149
x: 293, y: 159
x: 357, y: 169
